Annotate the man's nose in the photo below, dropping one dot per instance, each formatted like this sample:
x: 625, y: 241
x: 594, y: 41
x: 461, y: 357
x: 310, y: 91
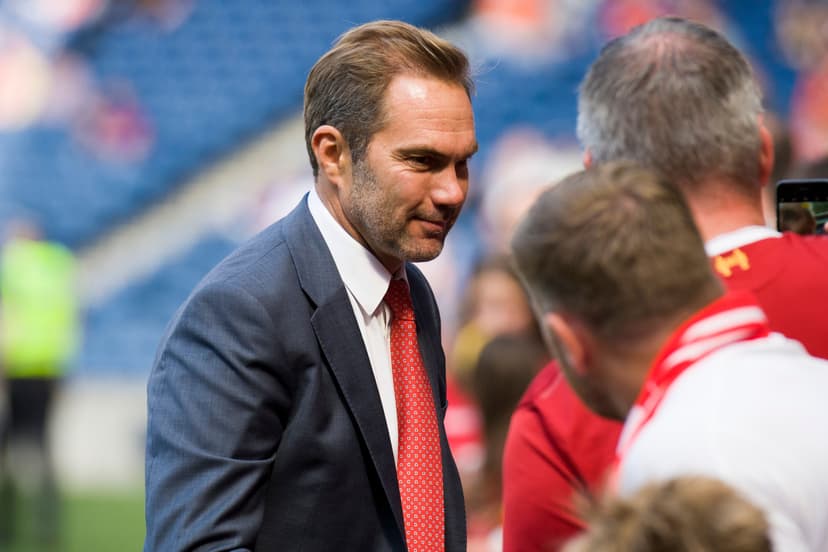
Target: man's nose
x: 451, y: 186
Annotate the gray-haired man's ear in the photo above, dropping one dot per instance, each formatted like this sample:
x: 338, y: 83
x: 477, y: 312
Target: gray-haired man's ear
x: 766, y: 154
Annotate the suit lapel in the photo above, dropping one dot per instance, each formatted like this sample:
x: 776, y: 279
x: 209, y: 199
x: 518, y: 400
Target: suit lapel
x: 341, y: 343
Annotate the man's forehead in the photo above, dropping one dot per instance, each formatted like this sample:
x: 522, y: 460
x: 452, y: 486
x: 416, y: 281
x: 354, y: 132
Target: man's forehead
x: 427, y: 115
x: 421, y: 91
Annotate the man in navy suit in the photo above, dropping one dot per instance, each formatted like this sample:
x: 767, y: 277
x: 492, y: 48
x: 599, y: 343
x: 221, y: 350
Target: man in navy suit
x: 273, y: 410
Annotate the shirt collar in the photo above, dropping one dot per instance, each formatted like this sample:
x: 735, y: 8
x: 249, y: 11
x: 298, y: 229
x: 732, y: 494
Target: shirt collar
x: 362, y: 273
x: 738, y: 238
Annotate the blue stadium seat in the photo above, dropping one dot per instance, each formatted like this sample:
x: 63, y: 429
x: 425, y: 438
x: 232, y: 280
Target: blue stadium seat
x: 122, y: 334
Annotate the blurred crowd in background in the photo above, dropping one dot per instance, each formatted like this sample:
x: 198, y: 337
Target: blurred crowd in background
x: 144, y: 139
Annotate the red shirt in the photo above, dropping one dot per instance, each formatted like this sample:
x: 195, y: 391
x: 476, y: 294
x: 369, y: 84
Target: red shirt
x: 557, y: 447
x: 789, y: 276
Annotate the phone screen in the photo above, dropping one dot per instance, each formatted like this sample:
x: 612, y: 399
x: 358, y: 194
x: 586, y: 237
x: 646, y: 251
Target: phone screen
x: 802, y: 206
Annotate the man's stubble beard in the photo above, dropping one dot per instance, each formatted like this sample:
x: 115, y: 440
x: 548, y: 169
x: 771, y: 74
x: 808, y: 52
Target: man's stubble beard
x: 590, y: 391
x: 372, y: 214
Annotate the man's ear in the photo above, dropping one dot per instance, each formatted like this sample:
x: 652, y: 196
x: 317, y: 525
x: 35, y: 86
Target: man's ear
x: 766, y: 153
x: 587, y: 158
x: 570, y: 340
x: 332, y: 153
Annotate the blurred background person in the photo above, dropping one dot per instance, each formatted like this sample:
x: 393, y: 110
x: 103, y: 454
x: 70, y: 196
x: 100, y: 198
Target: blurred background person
x: 493, y: 305
x: 521, y: 164
x: 38, y: 339
x: 812, y: 170
x: 505, y: 366
x: 797, y: 218
x: 686, y: 514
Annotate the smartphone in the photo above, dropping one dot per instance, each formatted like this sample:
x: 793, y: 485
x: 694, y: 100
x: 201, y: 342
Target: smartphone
x: 802, y: 206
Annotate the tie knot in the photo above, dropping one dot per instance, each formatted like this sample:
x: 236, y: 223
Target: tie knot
x: 399, y: 300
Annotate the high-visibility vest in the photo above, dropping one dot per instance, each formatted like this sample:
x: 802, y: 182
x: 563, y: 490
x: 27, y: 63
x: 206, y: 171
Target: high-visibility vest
x: 38, y: 308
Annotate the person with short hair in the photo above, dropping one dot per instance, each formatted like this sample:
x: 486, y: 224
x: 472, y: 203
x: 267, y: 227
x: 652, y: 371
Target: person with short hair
x: 797, y: 218
x: 685, y: 514
x: 298, y: 398
x: 40, y: 334
x: 644, y: 332
x: 676, y: 97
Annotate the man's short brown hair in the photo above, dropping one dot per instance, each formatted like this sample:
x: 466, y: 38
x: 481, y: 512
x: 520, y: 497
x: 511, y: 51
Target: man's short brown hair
x: 615, y: 246
x: 345, y: 87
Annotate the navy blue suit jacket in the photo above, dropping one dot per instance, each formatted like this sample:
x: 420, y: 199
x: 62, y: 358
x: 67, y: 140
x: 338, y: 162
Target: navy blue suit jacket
x: 265, y: 426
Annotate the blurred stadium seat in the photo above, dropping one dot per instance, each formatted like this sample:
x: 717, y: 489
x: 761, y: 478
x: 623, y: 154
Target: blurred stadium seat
x: 123, y: 332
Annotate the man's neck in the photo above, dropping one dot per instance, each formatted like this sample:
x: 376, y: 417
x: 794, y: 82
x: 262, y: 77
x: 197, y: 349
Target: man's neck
x: 718, y: 209
x: 625, y: 366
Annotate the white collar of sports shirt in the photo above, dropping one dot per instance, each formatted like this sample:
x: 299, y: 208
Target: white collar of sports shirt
x: 738, y: 238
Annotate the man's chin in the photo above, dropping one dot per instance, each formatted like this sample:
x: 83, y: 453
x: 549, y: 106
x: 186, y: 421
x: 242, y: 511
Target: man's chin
x: 426, y: 249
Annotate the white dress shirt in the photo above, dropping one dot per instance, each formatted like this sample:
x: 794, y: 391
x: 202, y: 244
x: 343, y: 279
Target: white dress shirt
x: 366, y: 281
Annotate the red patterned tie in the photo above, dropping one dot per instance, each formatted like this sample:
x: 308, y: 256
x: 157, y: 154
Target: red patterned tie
x: 419, y: 464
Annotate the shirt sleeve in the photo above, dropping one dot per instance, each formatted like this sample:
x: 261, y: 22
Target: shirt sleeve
x: 556, y: 449
x: 538, y: 510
